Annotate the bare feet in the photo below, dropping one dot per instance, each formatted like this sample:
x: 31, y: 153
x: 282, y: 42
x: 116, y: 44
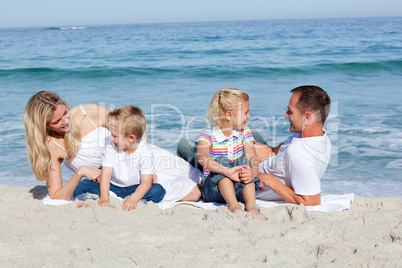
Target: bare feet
x: 255, y: 213
x: 235, y: 208
x: 85, y: 204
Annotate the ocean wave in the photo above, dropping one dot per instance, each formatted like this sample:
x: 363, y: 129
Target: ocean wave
x: 203, y: 71
x: 67, y: 28
x: 363, y: 66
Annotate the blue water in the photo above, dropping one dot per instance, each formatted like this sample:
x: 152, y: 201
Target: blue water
x: 172, y: 70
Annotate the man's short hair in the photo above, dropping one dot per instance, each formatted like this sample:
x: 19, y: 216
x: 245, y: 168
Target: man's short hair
x: 313, y: 98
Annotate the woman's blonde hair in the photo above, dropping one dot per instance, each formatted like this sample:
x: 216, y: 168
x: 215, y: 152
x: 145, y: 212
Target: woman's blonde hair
x: 132, y: 120
x: 225, y: 99
x: 38, y: 112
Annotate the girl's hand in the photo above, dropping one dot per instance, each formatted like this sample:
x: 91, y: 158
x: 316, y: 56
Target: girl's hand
x: 234, y: 173
x: 129, y: 204
x: 90, y: 172
x: 247, y: 174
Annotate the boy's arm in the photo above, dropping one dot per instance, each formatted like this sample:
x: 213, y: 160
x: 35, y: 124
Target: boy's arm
x: 131, y: 202
x: 208, y: 162
x: 105, y: 185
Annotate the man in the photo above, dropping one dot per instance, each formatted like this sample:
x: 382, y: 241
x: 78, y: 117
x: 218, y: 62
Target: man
x: 294, y: 170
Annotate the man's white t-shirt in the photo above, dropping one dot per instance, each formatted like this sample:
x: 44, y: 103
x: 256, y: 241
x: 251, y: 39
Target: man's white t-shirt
x: 299, y: 164
x: 127, y: 169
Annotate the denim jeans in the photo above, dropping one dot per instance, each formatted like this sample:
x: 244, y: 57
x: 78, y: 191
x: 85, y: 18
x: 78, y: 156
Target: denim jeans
x: 88, y: 189
x: 210, y: 190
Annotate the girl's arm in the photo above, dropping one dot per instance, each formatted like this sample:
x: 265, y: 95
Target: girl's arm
x: 146, y: 183
x: 105, y: 186
x: 208, y: 162
x: 248, y: 173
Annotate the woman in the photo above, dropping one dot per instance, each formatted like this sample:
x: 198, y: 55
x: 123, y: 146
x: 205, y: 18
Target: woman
x: 77, y: 138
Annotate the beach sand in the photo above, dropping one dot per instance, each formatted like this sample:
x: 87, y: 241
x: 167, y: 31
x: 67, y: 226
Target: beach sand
x: 34, y: 235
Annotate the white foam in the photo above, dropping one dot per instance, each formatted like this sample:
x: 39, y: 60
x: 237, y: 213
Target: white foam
x: 73, y: 28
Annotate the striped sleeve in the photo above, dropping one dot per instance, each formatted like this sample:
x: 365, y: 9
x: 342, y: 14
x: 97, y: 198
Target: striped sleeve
x: 205, y: 136
x: 247, y: 135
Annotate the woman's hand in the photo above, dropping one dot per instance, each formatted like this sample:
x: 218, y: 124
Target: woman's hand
x: 90, y: 172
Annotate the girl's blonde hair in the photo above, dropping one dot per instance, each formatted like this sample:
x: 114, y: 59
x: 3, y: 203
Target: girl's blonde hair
x: 38, y: 112
x: 225, y: 99
x: 132, y: 120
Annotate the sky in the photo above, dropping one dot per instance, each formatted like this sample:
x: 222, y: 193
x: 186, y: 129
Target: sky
x: 29, y: 13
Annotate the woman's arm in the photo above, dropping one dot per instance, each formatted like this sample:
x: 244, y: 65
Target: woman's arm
x: 208, y: 162
x: 54, y: 183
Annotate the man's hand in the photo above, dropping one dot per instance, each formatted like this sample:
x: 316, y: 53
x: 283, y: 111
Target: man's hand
x: 247, y: 174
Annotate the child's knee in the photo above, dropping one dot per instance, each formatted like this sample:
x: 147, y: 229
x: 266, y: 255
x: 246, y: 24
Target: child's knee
x: 157, y: 191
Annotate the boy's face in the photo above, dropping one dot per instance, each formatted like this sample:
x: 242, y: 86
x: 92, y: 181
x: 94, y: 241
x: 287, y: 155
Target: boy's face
x: 117, y: 137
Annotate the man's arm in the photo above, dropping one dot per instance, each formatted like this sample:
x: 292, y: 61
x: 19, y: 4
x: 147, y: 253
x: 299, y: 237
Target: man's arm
x: 264, y: 152
x: 287, y: 193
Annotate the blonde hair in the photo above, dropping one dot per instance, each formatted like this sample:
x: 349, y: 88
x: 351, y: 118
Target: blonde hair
x: 132, y: 118
x: 38, y: 112
x: 225, y: 99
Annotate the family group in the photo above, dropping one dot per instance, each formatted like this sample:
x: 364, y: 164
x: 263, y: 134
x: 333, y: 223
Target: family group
x: 108, y: 152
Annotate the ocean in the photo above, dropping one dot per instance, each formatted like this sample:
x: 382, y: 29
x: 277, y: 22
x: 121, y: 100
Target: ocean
x: 172, y: 70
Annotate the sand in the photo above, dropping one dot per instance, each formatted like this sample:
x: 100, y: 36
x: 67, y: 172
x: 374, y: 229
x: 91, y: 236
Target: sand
x: 34, y: 235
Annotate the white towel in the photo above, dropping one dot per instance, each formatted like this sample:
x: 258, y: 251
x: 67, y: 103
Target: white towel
x: 328, y: 203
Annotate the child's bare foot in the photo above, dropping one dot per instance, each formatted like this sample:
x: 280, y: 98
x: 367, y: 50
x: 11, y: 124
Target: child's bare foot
x: 255, y: 213
x: 85, y: 204
x: 258, y: 216
x: 235, y: 208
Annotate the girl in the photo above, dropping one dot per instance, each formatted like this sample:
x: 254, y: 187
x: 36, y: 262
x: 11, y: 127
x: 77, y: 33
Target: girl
x: 226, y: 151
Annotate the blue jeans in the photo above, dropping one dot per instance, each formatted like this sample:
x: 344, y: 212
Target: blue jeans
x: 210, y: 190
x: 88, y: 189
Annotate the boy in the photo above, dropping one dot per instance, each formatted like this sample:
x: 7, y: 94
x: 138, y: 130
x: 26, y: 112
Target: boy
x: 128, y: 164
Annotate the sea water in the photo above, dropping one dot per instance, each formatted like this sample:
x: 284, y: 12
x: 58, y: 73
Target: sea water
x: 172, y: 70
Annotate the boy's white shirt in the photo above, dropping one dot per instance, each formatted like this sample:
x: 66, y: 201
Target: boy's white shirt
x: 127, y: 169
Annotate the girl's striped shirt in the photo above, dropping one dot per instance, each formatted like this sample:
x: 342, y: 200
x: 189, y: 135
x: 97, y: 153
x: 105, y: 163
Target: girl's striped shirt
x: 219, y: 145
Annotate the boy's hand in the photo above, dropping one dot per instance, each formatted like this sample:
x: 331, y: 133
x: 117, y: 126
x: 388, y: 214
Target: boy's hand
x: 106, y: 204
x: 154, y: 178
x: 233, y: 173
x: 129, y: 204
x: 247, y: 174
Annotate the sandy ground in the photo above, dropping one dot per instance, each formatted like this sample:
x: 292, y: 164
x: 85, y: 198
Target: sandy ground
x: 34, y: 235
